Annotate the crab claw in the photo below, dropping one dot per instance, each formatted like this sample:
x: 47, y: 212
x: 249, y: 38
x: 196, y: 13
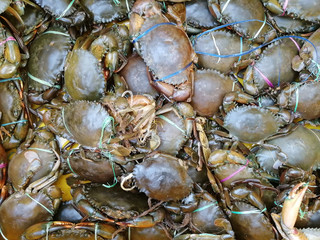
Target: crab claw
x: 289, y: 214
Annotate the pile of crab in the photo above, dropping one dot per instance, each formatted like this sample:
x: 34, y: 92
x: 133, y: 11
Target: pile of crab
x: 159, y: 120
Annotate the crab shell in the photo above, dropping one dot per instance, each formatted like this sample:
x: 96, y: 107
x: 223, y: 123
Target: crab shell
x: 307, y: 10
x: 18, y: 212
x: 275, y: 64
x: 31, y: 165
x: 162, y: 177
x: 104, y: 11
x: 245, y: 225
x: 155, y: 232
x: 251, y: 124
x: 300, y: 146
x: 234, y: 11
x: 48, y: 53
x: 84, y: 78
x: 57, y: 8
x: 210, y: 87
x: 4, y: 4
x: 305, y: 100
x: 221, y: 43
x: 167, y: 50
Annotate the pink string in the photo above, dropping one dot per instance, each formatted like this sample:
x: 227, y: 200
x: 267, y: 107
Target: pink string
x: 264, y: 77
x: 3, y: 165
x: 285, y: 5
x: 8, y: 39
x: 235, y: 173
x: 295, y: 43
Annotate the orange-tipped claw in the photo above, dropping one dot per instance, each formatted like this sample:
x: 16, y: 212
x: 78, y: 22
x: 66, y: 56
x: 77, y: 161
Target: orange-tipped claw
x: 292, y: 204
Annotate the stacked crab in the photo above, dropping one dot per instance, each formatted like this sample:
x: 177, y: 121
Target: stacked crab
x: 184, y: 120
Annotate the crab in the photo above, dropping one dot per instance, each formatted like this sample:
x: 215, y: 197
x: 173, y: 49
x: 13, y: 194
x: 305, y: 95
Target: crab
x: 70, y: 231
x: 160, y: 176
x: 48, y: 53
x: 155, y: 37
x: 13, y: 122
x: 36, y: 164
x: 98, y: 54
x: 100, y: 202
x: 3, y: 174
x: 230, y: 11
x: 22, y: 209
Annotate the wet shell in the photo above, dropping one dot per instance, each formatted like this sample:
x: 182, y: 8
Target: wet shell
x: 220, y: 43
x: 162, y: 177
x: 115, y: 202
x: 84, y: 121
x: 84, y: 79
x: 48, y: 53
x: 104, y: 11
x: 245, y: 225
x: 166, y: 50
x: 4, y: 4
x: 57, y: 7
x: 251, y: 124
x: 209, y: 89
x: 275, y: 64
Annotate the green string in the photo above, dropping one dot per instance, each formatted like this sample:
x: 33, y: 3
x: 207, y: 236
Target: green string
x: 10, y: 79
x: 172, y: 123
x: 64, y: 122
x: 47, y: 230
x: 10, y: 123
x: 260, y: 29
x: 117, y: 2
x: 115, y: 180
x: 56, y: 32
x: 43, y: 206
x: 107, y: 120
x: 318, y: 67
x: 205, y: 207
x: 41, y: 149
x: 43, y: 82
x: 241, y: 48
x: 249, y: 212
x: 96, y: 231
x: 297, y: 97
x: 68, y: 162
x: 1, y: 233
x: 66, y: 10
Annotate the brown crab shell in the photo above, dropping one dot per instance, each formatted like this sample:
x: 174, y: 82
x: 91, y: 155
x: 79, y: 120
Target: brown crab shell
x: 83, y: 122
x: 48, y: 53
x: 275, y: 64
x: 83, y: 76
x: 221, y: 43
x: 251, y: 124
x: 307, y: 10
x: 166, y: 50
x: 20, y: 167
x: 155, y: 232
x: 245, y: 225
x: 162, y: 177
x: 209, y: 89
x: 115, y: 202
x: 198, y: 14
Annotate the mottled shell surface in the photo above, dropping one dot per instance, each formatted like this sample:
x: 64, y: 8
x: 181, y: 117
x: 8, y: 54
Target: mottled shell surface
x: 48, y: 53
x: 83, y: 76
x: 209, y: 89
x: 166, y: 50
x: 220, y: 43
x: 251, y: 124
x: 84, y: 122
x: 103, y: 11
x: 275, y: 64
x: 57, y: 8
x: 4, y: 4
x: 162, y: 177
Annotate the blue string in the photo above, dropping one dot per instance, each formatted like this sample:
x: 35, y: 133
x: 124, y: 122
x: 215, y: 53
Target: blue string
x: 10, y: 79
x: 227, y: 25
x: 174, y: 74
x: 10, y: 123
x: 150, y: 29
